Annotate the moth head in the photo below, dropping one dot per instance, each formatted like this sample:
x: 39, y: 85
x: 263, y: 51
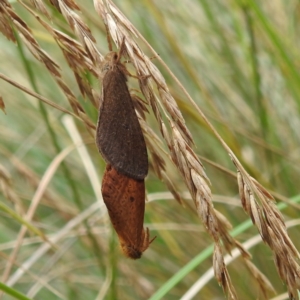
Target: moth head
x: 131, y: 251
x: 109, y: 62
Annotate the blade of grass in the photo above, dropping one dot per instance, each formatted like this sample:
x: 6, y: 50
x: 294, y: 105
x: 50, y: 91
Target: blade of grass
x: 21, y: 220
x: 285, y: 62
x: 12, y: 292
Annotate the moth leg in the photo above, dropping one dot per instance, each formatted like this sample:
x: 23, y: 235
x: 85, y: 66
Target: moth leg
x: 141, y: 77
x: 146, y: 239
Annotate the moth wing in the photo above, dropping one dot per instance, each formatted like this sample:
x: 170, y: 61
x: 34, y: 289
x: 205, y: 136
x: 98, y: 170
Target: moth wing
x: 124, y: 198
x: 119, y: 136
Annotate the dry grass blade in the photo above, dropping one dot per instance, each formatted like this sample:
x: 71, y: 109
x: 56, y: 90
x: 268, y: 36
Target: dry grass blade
x: 39, y: 280
x: 33, y: 180
x: 55, y: 240
x: 39, y: 97
x: 6, y: 188
x: 34, y: 204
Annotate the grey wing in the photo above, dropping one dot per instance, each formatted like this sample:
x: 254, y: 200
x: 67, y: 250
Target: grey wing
x: 119, y: 135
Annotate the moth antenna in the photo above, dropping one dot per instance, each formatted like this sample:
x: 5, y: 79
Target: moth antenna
x: 121, y: 50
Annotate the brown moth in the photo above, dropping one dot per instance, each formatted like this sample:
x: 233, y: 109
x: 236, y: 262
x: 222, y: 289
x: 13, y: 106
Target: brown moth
x: 120, y: 140
x: 119, y: 136
x: 124, y: 198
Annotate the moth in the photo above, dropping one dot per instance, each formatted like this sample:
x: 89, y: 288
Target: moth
x: 124, y: 198
x: 119, y: 136
x: 120, y: 140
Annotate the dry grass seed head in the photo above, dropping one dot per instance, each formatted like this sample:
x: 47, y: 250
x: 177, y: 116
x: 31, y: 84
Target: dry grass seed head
x: 39, y: 5
x: 154, y: 145
x: 69, y: 3
x: 5, y: 27
x: 181, y: 138
x: 221, y: 272
x: 270, y: 224
x: 182, y: 156
x: 85, y: 35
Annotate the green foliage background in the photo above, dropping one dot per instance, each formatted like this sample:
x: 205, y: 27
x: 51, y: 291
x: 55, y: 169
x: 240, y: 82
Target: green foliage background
x: 239, y: 60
